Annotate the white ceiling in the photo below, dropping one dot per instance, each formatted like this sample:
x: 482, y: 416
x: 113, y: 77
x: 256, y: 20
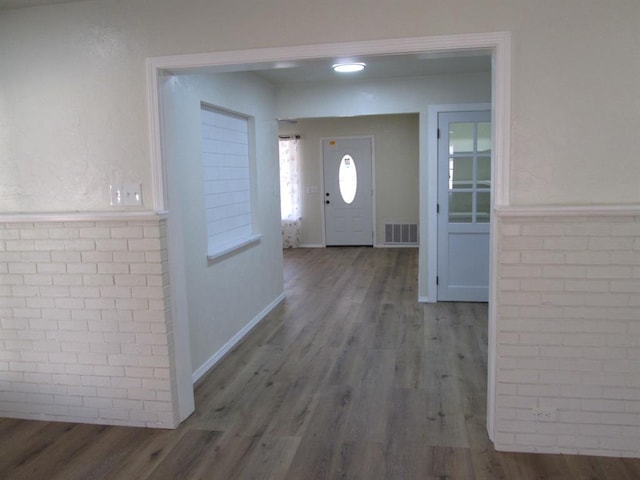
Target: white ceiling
x: 388, y: 66
x: 379, y: 66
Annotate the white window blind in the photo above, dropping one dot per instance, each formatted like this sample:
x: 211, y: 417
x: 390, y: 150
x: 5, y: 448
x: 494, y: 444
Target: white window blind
x: 227, y: 180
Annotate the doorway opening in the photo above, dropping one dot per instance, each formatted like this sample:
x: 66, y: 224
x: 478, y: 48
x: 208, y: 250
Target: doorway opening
x: 495, y: 44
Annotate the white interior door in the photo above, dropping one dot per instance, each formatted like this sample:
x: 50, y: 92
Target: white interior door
x: 348, y: 183
x: 464, y: 202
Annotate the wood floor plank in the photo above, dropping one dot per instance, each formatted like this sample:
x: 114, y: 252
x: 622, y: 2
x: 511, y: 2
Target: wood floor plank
x: 448, y: 462
x: 17, y: 439
x: 351, y: 360
x: 271, y: 459
x: 53, y: 445
x: 293, y: 419
x: 193, y: 457
x: 318, y: 452
x: 360, y: 460
x: 406, y: 434
x: 372, y: 396
x: 121, y: 452
x: 410, y: 355
x: 487, y: 463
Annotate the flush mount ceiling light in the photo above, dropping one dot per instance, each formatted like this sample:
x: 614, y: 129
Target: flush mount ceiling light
x: 348, y: 67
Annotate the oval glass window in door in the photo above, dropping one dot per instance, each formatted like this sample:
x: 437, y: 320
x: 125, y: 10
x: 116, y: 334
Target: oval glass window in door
x: 348, y: 179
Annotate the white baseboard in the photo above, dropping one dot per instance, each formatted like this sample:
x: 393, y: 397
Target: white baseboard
x: 227, y: 347
x: 311, y: 245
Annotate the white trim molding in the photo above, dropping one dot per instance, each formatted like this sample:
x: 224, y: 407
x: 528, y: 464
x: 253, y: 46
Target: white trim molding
x: 501, y: 120
x: 569, y: 211
x: 120, y: 216
x: 496, y: 43
x: 245, y: 58
x: 230, y: 248
x: 158, y: 187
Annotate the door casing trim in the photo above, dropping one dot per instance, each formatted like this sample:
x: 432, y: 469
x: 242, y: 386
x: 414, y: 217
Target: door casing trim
x: 497, y: 43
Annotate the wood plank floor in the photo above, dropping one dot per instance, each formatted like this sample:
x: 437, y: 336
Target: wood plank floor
x: 350, y: 378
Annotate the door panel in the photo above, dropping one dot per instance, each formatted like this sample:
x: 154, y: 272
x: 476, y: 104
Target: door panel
x: 348, y: 181
x: 464, y: 199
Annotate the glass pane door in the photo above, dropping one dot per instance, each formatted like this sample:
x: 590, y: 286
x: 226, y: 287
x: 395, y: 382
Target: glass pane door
x: 469, y: 172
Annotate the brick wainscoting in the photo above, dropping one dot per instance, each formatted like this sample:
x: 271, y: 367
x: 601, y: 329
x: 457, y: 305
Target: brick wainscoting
x: 568, y: 332
x: 85, y: 322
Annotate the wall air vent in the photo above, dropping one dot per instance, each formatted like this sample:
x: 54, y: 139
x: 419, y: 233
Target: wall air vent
x: 401, y: 233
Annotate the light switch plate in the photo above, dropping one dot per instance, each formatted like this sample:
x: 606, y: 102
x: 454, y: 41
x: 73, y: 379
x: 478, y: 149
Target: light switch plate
x: 115, y: 195
x: 131, y: 194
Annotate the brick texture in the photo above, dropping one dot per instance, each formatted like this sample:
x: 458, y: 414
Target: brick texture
x: 568, y: 335
x: 85, y: 323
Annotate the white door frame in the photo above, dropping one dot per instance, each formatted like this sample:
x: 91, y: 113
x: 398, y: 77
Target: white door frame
x: 497, y: 43
x: 373, y: 181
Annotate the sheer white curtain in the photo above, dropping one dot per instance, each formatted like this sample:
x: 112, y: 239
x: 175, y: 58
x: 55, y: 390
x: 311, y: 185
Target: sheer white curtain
x: 290, y: 192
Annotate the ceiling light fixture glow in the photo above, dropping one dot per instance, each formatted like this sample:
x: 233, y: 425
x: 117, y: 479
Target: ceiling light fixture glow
x: 348, y: 67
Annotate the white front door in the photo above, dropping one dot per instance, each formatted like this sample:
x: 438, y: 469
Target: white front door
x: 348, y: 184
x: 464, y: 203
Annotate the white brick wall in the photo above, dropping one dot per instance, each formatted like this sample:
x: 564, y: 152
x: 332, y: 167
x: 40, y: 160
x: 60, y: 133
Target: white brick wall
x: 568, y: 333
x: 85, y: 323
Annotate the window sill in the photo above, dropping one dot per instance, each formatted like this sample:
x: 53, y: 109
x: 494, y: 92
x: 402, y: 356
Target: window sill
x: 230, y: 248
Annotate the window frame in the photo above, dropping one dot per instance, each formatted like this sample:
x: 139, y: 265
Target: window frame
x: 215, y: 250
